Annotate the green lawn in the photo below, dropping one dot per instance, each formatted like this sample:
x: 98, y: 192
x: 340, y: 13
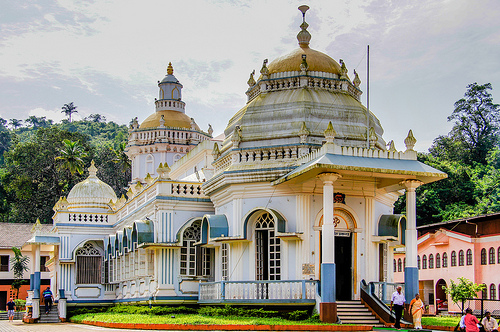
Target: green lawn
x: 184, y: 319
x: 441, y: 320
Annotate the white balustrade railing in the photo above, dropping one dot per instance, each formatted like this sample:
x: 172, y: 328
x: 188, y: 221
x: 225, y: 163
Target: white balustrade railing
x: 257, y: 290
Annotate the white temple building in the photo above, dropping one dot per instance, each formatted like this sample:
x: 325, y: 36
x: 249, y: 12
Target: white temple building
x: 299, y: 194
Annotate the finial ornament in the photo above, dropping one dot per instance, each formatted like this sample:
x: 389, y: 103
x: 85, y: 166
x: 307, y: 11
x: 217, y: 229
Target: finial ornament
x: 210, y: 129
x: 330, y: 133
x: 216, y: 151
x: 170, y: 69
x: 92, y: 169
x: 162, y: 121
x: 392, y: 146
x: 372, y: 137
x: 303, y: 65
x: 264, y: 70
x: 343, y: 70
x: 251, y: 81
x: 410, y: 141
x: 304, y: 37
x: 356, y: 81
x: 303, y: 133
x: 237, y: 136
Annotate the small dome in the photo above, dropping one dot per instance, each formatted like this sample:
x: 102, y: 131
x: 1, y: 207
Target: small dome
x: 91, y: 194
x: 317, y: 61
x: 173, y: 119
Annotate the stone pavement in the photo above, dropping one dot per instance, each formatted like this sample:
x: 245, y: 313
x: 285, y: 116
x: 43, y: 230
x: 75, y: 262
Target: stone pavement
x: 19, y: 326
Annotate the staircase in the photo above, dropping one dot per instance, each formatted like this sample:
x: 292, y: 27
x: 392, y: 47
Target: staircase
x: 354, y: 312
x: 52, y: 317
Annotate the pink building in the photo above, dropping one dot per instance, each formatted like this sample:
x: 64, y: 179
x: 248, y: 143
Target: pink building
x: 467, y: 248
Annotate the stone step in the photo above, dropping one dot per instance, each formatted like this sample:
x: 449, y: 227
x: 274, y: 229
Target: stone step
x: 355, y: 312
x: 51, y: 317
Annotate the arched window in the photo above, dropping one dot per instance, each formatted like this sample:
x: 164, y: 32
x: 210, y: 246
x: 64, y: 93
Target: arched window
x: 394, y: 262
x: 150, y: 161
x: 431, y: 261
x: 400, y: 265
x: 498, y: 261
x: 88, y: 265
x: 424, y: 262
x: 418, y: 262
x: 483, y: 256
x: 484, y: 292
x: 445, y: 259
x: 461, y: 258
x: 469, y: 257
x: 491, y: 258
x: 195, y: 260
x: 438, y: 261
x: 404, y: 263
x: 493, y: 292
x: 267, y: 249
x: 453, y: 258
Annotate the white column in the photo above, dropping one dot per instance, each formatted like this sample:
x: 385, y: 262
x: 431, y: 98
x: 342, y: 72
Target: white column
x: 328, y: 228
x: 55, y: 285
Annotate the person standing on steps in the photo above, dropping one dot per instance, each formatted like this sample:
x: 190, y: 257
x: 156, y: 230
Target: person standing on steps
x: 11, y: 308
x: 398, y: 300
x: 48, y: 298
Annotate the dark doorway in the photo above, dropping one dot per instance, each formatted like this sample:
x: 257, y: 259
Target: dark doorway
x: 3, y: 299
x: 343, y: 262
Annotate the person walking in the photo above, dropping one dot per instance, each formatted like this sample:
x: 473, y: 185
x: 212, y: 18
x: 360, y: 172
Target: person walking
x: 48, y: 298
x: 11, y: 308
x: 490, y: 324
x: 416, y: 309
x: 398, y: 300
x: 470, y: 321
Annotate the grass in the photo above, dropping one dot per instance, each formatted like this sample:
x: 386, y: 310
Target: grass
x: 441, y: 320
x: 194, y: 319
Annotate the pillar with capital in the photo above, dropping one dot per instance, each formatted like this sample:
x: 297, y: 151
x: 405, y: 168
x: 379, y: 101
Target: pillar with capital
x: 328, y: 307
x: 411, y: 269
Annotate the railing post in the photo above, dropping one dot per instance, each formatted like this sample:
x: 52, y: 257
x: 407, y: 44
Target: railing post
x: 223, y: 290
x: 482, y: 308
x: 304, y: 289
x: 384, y: 291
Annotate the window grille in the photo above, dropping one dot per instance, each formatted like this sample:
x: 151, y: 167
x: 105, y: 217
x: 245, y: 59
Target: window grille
x: 404, y: 263
x: 424, y: 262
x: 445, y: 259
x: 394, y: 263
x: 484, y: 292
x: 493, y: 292
x: 438, y: 261
x: 195, y: 260
x: 400, y: 265
x: 225, y: 261
x: 498, y: 260
x: 88, y: 265
x: 431, y: 261
x: 461, y: 258
x: 491, y: 256
x: 418, y: 262
x: 483, y: 256
x: 469, y: 257
x: 453, y: 258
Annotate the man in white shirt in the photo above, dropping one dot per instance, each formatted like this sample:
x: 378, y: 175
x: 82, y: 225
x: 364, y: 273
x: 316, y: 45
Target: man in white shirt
x: 398, y: 300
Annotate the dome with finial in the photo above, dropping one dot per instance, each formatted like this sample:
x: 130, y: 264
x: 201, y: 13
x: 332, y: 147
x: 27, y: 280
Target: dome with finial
x: 317, y: 61
x: 92, y: 194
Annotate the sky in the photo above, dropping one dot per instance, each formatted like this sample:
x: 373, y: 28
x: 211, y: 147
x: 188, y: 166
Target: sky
x: 106, y: 56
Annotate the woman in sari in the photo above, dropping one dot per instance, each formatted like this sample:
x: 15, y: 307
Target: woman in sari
x: 416, y: 309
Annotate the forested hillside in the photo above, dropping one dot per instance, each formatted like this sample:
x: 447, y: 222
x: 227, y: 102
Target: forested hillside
x: 470, y: 155
x: 42, y: 161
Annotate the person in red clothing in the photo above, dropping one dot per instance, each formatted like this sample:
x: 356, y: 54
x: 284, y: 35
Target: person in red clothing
x: 470, y: 321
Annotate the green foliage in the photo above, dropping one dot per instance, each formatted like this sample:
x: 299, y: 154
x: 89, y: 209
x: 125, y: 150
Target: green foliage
x: 69, y: 109
x: 441, y: 320
x: 72, y: 155
x: 19, y: 265
x: 464, y: 289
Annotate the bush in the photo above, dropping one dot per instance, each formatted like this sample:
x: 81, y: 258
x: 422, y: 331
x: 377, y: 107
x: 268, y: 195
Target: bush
x: 298, y: 315
x: 86, y: 310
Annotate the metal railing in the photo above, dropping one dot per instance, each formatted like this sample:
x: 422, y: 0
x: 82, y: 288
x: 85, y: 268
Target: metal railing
x: 480, y: 306
x: 258, y: 291
x: 384, y: 290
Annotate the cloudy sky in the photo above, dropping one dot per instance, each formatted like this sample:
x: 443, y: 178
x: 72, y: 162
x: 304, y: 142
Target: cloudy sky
x: 107, y: 55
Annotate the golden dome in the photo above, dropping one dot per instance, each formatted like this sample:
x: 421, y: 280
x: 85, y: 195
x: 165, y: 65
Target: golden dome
x: 173, y: 119
x: 317, y: 61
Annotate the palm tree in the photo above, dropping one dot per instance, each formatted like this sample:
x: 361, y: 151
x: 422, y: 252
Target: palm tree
x: 121, y: 157
x: 71, y: 155
x: 19, y: 266
x: 69, y: 109
x: 15, y: 123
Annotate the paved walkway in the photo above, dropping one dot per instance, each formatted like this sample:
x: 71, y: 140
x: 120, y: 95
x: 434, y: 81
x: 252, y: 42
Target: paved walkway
x: 19, y: 326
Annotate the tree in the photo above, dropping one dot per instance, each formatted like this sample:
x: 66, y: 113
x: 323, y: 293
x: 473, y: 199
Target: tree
x: 95, y: 118
x: 15, y: 123
x: 71, y: 155
x: 476, y: 123
x: 121, y: 157
x: 19, y: 266
x: 463, y: 290
x: 69, y: 109
x: 38, y: 122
